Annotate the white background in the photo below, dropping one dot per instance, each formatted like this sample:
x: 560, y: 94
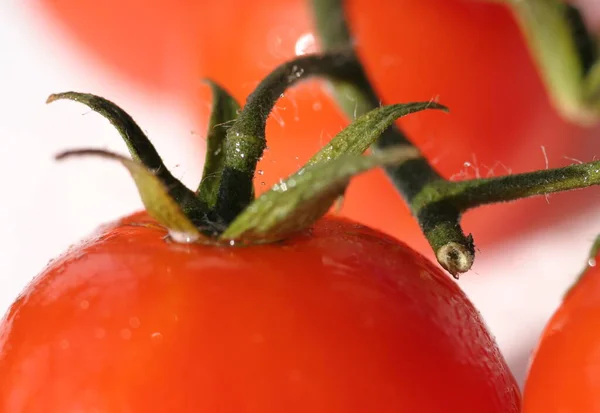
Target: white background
x: 46, y: 206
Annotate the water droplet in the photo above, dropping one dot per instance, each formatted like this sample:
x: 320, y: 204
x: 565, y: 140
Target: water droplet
x: 262, y: 183
x: 232, y: 243
x: 84, y: 304
x: 125, y: 334
x: 242, y: 155
x: 592, y: 262
x: 260, y: 172
x: 134, y: 322
x: 282, y: 95
x: 305, y: 44
x: 467, y: 164
x: 317, y: 106
x: 157, y: 338
x: 182, y: 237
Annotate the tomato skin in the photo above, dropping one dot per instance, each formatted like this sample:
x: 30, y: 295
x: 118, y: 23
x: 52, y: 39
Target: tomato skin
x: 564, y: 375
x: 338, y: 319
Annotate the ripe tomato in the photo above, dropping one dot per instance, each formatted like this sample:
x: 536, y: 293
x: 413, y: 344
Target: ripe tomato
x: 338, y: 319
x: 565, y: 372
x: 469, y: 54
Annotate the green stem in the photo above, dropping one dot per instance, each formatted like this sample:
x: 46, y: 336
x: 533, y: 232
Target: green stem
x: 469, y: 194
x: 440, y: 204
x: 245, y: 141
x: 564, y: 51
x: 454, y: 249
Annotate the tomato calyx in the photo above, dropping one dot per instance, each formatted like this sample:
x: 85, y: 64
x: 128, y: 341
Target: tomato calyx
x: 223, y: 209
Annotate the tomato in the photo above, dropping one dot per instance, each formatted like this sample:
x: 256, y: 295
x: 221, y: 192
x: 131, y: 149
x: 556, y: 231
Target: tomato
x: 340, y: 318
x: 564, y: 375
x: 468, y: 54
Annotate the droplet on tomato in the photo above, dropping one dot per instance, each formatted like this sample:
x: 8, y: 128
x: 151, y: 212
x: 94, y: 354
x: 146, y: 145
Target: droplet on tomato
x: 183, y: 237
x: 126, y: 334
x: 305, y: 44
x: 592, y: 262
x: 134, y: 322
x: 156, y: 338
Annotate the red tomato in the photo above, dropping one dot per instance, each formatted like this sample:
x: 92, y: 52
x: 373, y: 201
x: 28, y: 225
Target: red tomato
x: 565, y: 372
x: 338, y: 319
x: 468, y: 54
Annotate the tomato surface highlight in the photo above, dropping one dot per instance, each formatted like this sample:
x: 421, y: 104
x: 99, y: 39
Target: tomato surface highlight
x: 340, y: 318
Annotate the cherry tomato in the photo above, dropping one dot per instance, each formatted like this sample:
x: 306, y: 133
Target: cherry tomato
x: 468, y: 54
x: 565, y: 372
x: 340, y: 318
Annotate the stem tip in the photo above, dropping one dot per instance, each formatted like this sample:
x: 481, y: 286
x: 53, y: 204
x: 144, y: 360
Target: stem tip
x: 455, y: 258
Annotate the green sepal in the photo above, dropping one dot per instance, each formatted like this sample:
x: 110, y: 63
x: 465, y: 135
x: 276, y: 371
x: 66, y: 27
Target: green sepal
x: 364, y: 131
x: 306, y: 196
x: 224, y: 111
x: 155, y: 196
x: 140, y: 148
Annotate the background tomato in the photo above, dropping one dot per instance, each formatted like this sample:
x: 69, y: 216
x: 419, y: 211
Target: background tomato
x: 338, y: 319
x: 565, y: 372
x: 468, y: 54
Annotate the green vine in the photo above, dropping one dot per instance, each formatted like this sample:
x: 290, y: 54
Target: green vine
x: 223, y: 209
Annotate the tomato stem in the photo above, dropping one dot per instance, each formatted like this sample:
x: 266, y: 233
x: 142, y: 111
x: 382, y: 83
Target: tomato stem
x: 566, y: 54
x: 245, y: 141
x: 442, y: 202
x: 454, y: 250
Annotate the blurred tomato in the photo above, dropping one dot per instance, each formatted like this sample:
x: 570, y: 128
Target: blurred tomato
x: 467, y: 54
x: 565, y: 372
